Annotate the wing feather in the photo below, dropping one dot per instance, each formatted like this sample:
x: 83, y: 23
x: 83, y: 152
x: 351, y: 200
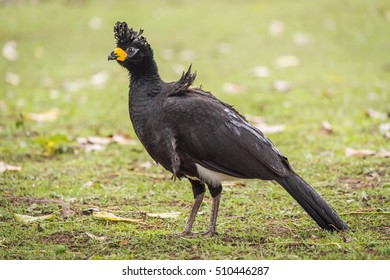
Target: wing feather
x: 217, y: 137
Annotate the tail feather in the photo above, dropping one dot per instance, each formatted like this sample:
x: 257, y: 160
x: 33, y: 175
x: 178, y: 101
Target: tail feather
x: 313, y: 203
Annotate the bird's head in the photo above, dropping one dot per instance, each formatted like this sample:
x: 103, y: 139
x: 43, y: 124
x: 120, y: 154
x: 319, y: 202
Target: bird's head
x: 131, y: 48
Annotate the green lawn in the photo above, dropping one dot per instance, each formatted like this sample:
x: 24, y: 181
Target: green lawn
x: 334, y: 57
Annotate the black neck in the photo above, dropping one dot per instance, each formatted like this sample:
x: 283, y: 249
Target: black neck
x: 145, y: 72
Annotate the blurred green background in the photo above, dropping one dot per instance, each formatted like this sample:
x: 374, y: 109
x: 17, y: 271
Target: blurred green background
x: 316, y: 72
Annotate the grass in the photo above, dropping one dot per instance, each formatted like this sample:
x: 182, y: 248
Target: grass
x: 343, y: 73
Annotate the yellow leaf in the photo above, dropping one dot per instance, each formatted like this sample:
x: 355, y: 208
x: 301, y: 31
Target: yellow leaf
x: 30, y: 219
x: 103, y: 215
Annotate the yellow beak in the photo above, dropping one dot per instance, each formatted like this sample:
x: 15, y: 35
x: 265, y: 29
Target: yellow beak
x: 118, y: 54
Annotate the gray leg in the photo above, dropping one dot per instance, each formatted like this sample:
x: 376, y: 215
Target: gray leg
x: 195, y: 207
x: 198, y: 189
x: 216, y: 194
x: 214, y: 214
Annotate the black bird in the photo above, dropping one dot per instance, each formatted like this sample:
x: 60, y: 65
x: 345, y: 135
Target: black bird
x: 196, y: 136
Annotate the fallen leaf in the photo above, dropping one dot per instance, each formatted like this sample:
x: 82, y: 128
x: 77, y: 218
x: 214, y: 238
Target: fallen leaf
x: 88, y: 184
x: 287, y: 61
x: 384, y: 128
x: 260, y: 71
x: 94, y: 237
x: 98, y: 143
x: 6, y: 167
x: 349, y: 152
x: 224, y: 48
x: 74, y: 85
x: 107, y: 216
x: 92, y: 147
x: 383, y: 154
x: 30, y: 219
x: 99, y: 79
x: 9, y: 50
x: 169, y: 215
x: 282, y: 86
x: 12, y: 78
x: 94, y: 185
x: 233, y: 88
x: 377, y: 115
x: 276, y: 28
x: 48, y: 116
x: 187, y: 55
x: 259, y: 123
x: 326, y: 128
x: 301, y: 39
x: 95, y: 22
x: 123, y: 139
x: 167, y: 54
x: 123, y: 242
x: 94, y: 140
x: 146, y: 165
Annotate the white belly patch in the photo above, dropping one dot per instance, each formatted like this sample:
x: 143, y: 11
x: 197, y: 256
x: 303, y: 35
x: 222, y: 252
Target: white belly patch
x: 211, y: 177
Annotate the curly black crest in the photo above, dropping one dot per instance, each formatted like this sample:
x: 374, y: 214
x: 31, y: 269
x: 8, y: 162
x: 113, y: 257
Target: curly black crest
x: 125, y: 35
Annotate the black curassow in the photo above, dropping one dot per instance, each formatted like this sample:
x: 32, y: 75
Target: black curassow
x: 196, y: 136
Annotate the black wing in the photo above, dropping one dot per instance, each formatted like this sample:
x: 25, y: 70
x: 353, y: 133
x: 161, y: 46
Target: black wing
x: 217, y: 137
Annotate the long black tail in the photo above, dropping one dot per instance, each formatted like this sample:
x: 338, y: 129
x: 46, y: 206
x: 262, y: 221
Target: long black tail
x: 313, y: 203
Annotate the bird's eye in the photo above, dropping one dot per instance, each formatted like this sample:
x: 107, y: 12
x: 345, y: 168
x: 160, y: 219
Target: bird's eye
x: 130, y: 50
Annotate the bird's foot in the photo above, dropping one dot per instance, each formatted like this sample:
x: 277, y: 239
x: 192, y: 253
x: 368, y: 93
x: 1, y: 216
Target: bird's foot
x: 210, y: 233
x: 184, y: 234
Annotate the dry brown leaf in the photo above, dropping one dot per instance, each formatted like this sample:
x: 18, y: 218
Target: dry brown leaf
x: 349, y: 152
x: 282, y: 86
x: 260, y: 71
x: 92, y: 147
x: 301, y: 39
x: 95, y: 22
x: 12, y: 78
x: 9, y: 50
x: 94, y: 140
x: 48, y: 116
x: 326, y: 128
x: 99, y: 79
x: 376, y: 115
x: 123, y: 139
x: 233, y: 88
x: 6, y: 167
x: 384, y: 128
x: 276, y: 28
x: 364, y: 153
x: 287, y: 61
x: 123, y: 242
x: 383, y: 154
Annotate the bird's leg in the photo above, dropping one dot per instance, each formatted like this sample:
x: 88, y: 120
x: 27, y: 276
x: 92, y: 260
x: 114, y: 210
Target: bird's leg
x: 216, y: 194
x: 198, y: 189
